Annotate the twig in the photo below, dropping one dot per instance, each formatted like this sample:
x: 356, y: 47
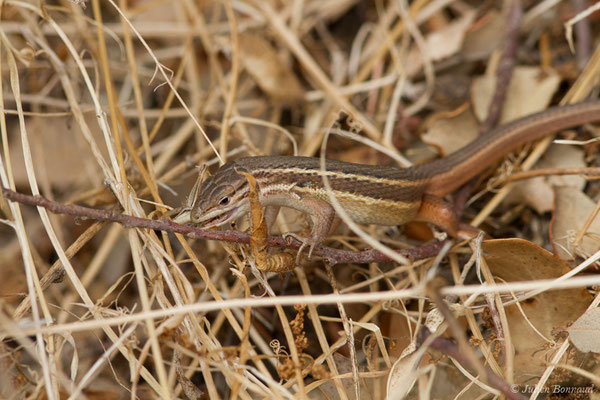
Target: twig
x: 588, y: 173
x: 333, y: 256
x: 495, y: 316
x: 584, y: 36
x: 503, y: 77
x: 505, y: 67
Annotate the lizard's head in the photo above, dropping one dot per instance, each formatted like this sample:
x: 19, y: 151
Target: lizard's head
x: 220, y: 199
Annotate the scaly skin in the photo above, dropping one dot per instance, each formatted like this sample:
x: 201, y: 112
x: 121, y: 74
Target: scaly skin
x: 372, y: 194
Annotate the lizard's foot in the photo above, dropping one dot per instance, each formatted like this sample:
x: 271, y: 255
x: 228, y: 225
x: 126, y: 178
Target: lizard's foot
x: 311, y: 242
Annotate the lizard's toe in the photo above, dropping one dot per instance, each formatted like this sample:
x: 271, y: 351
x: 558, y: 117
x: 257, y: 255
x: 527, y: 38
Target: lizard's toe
x: 309, y: 242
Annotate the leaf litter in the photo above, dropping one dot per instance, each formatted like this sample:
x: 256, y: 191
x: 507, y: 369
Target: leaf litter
x: 103, y: 133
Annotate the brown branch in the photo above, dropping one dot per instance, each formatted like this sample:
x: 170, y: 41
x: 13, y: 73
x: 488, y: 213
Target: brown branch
x: 583, y: 35
x: 497, y: 321
x: 587, y: 173
x: 505, y: 66
x: 331, y: 255
x: 503, y: 77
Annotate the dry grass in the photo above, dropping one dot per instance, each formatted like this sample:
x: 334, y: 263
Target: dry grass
x: 113, y: 104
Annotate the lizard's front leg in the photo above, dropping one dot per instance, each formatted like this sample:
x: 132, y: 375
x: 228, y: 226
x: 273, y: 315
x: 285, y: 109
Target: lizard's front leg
x: 271, y: 213
x: 322, y: 214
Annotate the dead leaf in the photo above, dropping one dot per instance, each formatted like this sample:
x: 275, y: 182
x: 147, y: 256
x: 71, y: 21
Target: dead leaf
x: 519, y: 260
x: 530, y: 90
x: 584, y: 333
x: 538, y: 193
x: 50, y: 142
x: 451, y: 91
x: 271, y: 74
x: 441, y: 44
x: 187, y: 386
x: 485, y: 37
x: 535, y: 193
x: 151, y: 11
x: 403, y: 375
x: 572, y: 208
x: 450, y: 134
x: 564, y: 156
x: 325, y: 11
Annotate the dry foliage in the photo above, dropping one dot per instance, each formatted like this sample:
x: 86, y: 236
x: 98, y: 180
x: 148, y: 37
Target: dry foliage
x: 115, y: 104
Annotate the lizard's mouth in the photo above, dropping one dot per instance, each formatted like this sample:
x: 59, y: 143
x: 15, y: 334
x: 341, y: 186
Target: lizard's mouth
x: 219, y: 219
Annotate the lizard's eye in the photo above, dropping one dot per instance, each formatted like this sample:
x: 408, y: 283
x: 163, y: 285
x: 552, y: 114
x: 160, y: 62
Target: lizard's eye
x: 224, y: 201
